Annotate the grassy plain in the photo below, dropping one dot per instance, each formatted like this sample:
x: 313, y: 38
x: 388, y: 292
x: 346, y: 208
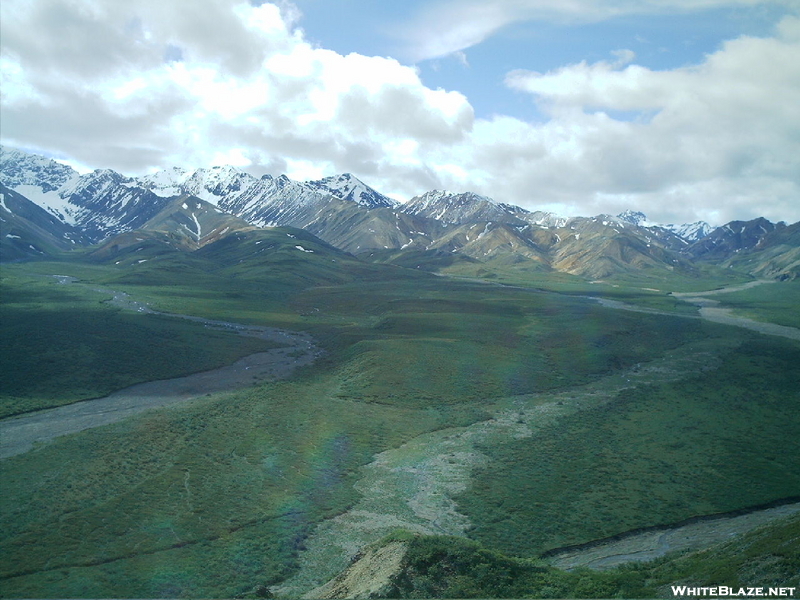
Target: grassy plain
x: 208, y: 499
x: 217, y: 496
x: 775, y: 302
x: 778, y: 304
x: 65, y: 343
x: 655, y: 454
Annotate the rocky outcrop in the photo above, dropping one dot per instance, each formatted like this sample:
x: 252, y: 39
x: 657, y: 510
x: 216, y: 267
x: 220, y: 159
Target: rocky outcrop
x: 368, y: 576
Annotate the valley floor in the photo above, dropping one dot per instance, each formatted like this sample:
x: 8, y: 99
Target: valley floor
x: 710, y: 309
x: 296, y: 349
x: 525, y: 420
x: 415, y: 487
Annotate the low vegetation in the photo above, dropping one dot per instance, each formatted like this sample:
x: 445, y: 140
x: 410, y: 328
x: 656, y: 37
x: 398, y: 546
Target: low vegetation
x: 67, y: 343
x: 441, y: 567
x: 216, y: 497
x: 653, y: 455
x: 776, y: 303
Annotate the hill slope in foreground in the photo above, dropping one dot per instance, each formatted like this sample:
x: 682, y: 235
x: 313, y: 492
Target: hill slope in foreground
x: 411, y: 566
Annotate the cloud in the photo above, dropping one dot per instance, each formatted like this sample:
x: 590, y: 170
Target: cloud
x: 461, y: 57
x: 719, y: 125
x: 448, y: 26
x: 166, y: 79
x: 141, y: 85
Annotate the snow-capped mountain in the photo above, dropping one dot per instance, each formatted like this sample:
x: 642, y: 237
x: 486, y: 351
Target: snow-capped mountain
x: 23, y: 169
x: 691, y: 232
x: 634, y: 217
x: 543, y: 218
x: 732, y: 238
x: 217, y: 182
x: 453, y: 208
x: 183, y: 209
x: 38, y: 179
x: 27, y: 230
x: 207, y: 184
x: 776, y: 255
x: 98, y: 204
x: 236, y: 187
x: 264, y: 202
x: 349, y: 187
x: 104, y: 202
x: 272, y: 201
x: 166, y: 183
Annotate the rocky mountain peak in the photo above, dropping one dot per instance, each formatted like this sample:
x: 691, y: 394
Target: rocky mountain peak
x: 731, y: 238
x: 340, y: 210
x: 634, y: 217
x: 349, y: 187
x: 690, y: 232
x: 21, y: 168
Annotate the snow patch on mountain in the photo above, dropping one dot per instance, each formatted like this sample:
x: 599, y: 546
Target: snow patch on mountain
x: 634, y: 217
x: 21, y: 168
x: 546, y: 219
x: 451, y: 208
x: 166, y: 183
x: 348, y: 187
x: 690, y: 231
x: 52, y: 201
x: 104, y: 202
x: 265, y: 201
x: 217, y: 182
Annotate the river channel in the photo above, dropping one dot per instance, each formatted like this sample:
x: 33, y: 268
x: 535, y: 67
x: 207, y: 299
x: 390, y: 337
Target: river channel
x: 19, y: 434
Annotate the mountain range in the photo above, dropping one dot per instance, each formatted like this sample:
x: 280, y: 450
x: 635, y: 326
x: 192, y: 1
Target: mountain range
x: 47, y: 208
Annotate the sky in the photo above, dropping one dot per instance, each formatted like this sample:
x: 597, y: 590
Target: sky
x: 683, y: 109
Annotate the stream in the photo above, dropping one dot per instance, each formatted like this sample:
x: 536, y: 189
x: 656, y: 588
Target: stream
x: 711, y: 311
x: 412, y: 487
x: 19, y: 434
x: 654, y: 544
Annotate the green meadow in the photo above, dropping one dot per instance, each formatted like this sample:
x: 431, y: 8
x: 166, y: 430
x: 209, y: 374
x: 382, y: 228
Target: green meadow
x: 218, y: 496
x: 656, y: 454
x: 66, y: 343
x: 777, y: 303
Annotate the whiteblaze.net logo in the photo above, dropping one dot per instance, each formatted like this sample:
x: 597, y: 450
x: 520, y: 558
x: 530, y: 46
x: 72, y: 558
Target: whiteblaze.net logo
x: 723, y: 591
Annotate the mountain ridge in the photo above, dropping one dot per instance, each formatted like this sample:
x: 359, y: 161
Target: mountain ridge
x: 347, y: 213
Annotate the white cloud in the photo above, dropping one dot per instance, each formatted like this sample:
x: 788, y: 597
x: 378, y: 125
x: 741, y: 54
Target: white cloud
x: 145, y: 84
x: 448, y: 26
x: 235, y: 157
x: 624, y: 56
x: 461, y: 57
x: 150, y: 81
x: 304, y: 170
x: 716, y: 127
